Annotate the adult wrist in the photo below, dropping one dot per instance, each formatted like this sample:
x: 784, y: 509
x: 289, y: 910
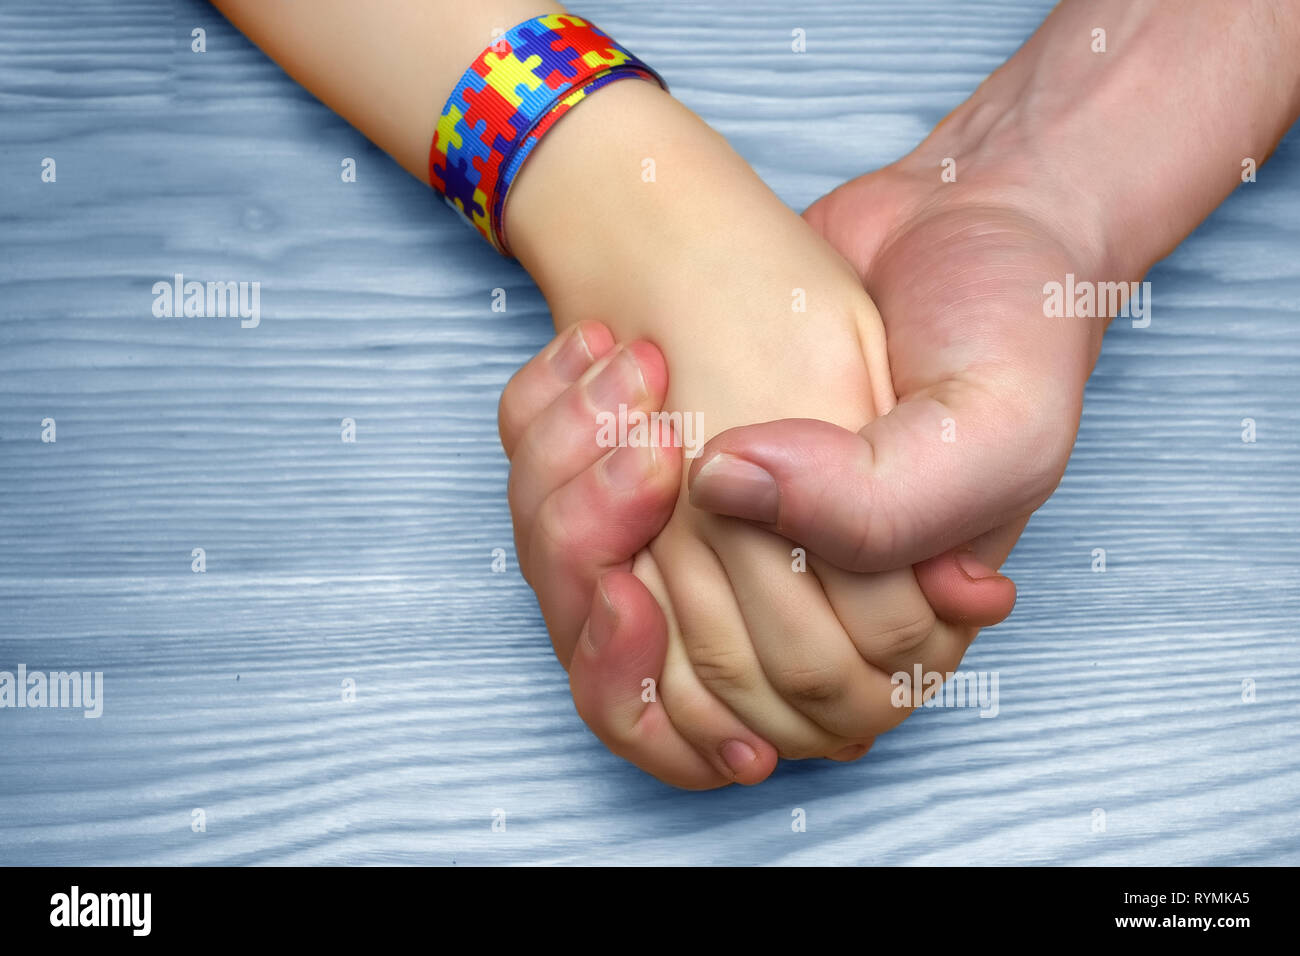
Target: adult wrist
x: 1106, y: 129
x: 1003, y: 155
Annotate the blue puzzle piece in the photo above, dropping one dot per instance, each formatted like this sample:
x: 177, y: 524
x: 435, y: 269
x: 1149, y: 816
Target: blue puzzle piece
x: 460, y: 187
x: 535, y: 102
x: 472, y: 145
x: 538, y: 43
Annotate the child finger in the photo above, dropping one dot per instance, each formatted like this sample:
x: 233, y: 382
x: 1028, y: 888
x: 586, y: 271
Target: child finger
x: 546, y: 376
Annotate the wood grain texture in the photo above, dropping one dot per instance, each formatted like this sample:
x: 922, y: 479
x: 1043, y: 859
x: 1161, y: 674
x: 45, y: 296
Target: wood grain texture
x: 371, y: 561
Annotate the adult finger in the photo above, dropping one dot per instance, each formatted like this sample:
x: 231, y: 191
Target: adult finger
x: 546, y: 376
x: 614, y: 676
x: 596, y: 523
x: 935, y: 472
x: 963, y: 585
x: 583, y: 423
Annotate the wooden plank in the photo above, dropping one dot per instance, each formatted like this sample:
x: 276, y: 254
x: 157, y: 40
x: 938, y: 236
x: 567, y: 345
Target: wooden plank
x: 371, y: 561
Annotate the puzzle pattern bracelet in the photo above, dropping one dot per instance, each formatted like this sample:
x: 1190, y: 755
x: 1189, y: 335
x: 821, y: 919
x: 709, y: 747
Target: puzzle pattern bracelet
x: 512, y: 94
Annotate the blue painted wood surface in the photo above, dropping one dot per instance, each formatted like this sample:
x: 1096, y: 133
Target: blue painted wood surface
x: 1120, y: 691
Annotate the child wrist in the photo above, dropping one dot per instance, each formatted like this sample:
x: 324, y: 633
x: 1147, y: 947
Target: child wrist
x: 509, y: 98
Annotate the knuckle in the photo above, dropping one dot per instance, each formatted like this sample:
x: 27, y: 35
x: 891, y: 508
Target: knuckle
x: 869, y: 540
x: 902, y: 636
x: 810, y: 683
x: 873, y: 533
x: 719, y: 667
x: 691, y: 713
x: 510, y: 416
x: 619, y: 738
x: 552, y: 537
x: 587, y: 710
x: 518, y: 483
x: 514, y: 489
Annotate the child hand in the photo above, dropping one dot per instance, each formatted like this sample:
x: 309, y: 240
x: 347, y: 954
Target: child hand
x: 758, y: 319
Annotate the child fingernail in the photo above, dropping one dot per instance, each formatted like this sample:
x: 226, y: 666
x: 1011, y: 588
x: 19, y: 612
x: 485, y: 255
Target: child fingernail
x: 973, y: 567
x: 732, y: 486
x: 573, y: 357
x: 738, y: 756
x: 618, y: 383
x: 628, y: 466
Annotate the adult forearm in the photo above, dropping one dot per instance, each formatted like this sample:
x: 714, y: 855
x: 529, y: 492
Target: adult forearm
x: 1128, y: 140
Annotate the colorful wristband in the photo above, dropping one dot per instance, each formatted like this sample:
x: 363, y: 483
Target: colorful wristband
x: 512, y: 94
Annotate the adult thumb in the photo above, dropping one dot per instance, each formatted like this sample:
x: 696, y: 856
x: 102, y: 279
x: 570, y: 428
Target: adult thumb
x: 910, y: 485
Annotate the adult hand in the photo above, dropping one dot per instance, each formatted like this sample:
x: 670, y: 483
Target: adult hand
x: 1057, y: 176
x: 1050, y: 173
x: 581, y: 515
x: 990, y: 391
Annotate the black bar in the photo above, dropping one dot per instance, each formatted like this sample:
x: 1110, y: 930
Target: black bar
x: 333, y: 905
